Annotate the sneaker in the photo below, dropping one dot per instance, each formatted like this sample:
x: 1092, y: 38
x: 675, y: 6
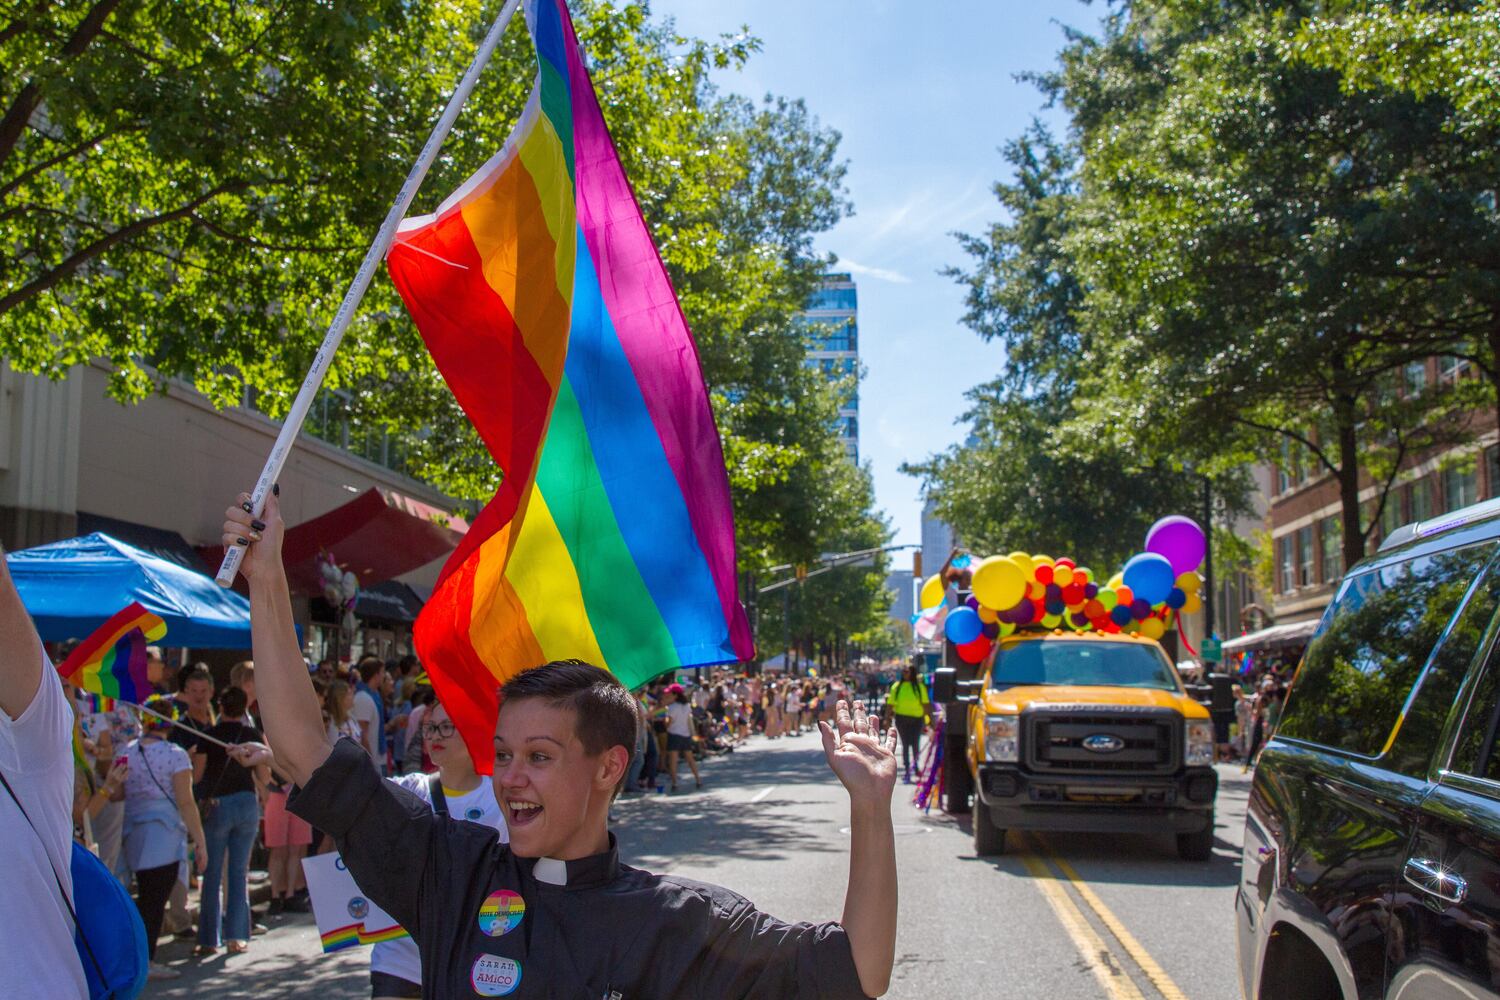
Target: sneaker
x: 298, y: 904
x: 256, y: 930
x: 156, y: 972
x: 276, y: 906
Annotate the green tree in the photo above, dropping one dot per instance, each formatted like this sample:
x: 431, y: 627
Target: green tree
x: 1016, y: 483
x: 1242, y: 236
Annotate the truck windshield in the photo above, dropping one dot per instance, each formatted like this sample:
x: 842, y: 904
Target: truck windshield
x: 1110, y: 664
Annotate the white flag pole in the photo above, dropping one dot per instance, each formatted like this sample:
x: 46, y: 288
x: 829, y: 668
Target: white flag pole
x: 315, y: 375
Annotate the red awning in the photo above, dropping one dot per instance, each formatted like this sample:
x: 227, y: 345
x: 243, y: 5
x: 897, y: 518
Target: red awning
x: 378, y: 536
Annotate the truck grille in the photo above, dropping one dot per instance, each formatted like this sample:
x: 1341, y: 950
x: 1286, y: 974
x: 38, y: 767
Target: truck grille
x: 1054, y: 741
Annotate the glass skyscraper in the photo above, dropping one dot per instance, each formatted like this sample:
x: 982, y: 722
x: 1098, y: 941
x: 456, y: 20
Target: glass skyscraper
x: 832, y: 324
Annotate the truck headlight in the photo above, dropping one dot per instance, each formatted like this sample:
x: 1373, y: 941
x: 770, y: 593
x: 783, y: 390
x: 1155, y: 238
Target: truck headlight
x: 1198, y: 747
x: 1002, y: 737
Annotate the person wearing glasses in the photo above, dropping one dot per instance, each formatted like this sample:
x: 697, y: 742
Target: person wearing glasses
x: 456, y: 790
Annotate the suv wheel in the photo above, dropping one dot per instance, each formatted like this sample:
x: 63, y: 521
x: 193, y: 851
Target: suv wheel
x: 1197, y: 846
x: 988, y: 838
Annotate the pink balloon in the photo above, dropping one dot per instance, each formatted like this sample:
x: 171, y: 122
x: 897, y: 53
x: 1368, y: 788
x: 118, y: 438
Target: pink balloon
x: 1180, y: 540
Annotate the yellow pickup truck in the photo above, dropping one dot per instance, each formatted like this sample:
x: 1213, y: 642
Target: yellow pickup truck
x: 1079, y: 731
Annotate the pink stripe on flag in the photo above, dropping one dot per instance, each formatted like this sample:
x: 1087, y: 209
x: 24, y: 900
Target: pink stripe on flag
x: 654, y: 335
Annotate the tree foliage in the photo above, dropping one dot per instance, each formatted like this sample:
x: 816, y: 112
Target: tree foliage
x: 1016, y: 483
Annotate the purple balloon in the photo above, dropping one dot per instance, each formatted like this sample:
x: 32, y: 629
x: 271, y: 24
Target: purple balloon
x: 1024, y: 614
x: 1181, y: 540
x: 1140, y: 610
x: 1091, y: 590
x: 972, y: 602
x: 992, y: 629
x: 1054, y: 592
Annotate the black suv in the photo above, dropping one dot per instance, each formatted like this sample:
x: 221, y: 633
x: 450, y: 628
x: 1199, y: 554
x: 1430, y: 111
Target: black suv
x: 1372, y: 842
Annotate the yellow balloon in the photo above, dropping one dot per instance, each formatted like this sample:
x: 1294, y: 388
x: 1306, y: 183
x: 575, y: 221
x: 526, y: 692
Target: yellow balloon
x: 1034, y: 590
x: 932, y: 592
x: 1193, y: 604
x: 1041, y: 561
x: 988, y: 614
x: 1023, y: 560
x: 1062, y: 576
x: 998, y: 582
x: 1116, y: 581
x: 1153, y: 628
x: 1189, y: 582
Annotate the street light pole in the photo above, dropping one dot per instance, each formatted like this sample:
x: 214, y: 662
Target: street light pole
x: 1208, y: 557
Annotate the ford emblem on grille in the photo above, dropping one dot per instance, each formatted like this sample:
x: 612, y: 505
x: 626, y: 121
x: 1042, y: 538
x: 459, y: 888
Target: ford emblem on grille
x: 1103, y: 743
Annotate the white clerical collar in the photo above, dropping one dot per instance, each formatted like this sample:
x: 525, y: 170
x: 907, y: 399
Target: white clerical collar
x: 550, y: 870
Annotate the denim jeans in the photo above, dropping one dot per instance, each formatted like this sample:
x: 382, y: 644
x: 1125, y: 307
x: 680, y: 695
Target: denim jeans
x: 230, y: 832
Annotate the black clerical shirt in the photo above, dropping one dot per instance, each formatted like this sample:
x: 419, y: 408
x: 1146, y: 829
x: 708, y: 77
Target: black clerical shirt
x: 489, y: 923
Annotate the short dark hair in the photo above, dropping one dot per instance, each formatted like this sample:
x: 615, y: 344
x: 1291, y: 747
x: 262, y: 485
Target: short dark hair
x: 606, y: 712
x: 369, y: 667
x: 196, y: 672
x: 233, y: 702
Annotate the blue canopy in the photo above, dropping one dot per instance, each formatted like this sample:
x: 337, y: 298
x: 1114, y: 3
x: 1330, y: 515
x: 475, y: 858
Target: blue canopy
x: 71, y: 587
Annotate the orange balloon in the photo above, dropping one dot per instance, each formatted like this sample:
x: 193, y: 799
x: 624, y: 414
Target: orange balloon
x: 1124, y: 594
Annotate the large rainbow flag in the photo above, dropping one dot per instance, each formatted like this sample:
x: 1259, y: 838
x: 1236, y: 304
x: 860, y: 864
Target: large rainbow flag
x: 111, y: 663
x: 541, y: 296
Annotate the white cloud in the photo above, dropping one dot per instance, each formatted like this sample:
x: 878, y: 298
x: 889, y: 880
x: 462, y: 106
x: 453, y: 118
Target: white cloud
x: 878, y: 273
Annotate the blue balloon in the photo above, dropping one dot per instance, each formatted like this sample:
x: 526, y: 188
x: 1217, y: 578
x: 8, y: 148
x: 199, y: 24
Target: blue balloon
x: 1120, y: 614
x: 963, y: 626
x: 1176, y: 598
x: 1149, y: 576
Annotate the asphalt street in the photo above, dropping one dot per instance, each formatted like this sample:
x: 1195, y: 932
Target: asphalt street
x: 1062, y: 916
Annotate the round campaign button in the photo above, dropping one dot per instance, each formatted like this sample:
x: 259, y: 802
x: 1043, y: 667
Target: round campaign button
x: 494, y: 976
x: 501, y: 912
x: 358, y: 908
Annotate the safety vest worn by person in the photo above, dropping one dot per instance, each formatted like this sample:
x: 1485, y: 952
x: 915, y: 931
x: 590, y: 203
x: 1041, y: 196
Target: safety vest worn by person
x: 906, y: 698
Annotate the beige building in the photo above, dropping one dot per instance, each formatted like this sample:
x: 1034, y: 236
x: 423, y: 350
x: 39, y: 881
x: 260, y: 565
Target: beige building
x: 159, y: 474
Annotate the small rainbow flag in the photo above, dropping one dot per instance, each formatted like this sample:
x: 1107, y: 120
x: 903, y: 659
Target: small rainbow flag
x: 546, y: 307
x: 111, y: 663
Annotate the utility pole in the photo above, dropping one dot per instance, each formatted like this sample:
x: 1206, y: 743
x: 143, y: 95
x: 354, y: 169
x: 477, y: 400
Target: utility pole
x: 1208, y: 558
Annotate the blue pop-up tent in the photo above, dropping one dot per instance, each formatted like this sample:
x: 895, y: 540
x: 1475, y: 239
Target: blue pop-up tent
x: 71, y: 587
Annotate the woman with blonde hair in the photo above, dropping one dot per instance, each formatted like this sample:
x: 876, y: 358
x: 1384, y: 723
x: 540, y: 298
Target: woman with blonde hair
x: 339, y: 704
x: 160, y: 816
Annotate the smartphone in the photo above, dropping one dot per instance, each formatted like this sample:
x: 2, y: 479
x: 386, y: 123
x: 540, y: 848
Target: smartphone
x: 121, y: 760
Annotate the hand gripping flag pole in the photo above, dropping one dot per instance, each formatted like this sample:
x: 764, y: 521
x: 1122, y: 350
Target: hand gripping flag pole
x: 315, y: 375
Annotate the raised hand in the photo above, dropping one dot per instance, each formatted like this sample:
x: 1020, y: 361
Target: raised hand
x: 262, y: 537
x: 864, y: 762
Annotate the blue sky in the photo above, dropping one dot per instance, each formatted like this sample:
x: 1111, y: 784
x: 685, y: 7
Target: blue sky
x: 923, y: 95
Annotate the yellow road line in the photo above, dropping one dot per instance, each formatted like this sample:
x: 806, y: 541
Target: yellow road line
x: 1095, y: 953
x: 1138, y: 954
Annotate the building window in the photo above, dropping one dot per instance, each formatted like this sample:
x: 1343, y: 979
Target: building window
x: 1416, y: 378
x: 1286, y: 577
x: 1306, y: 576
x: 1421, y: 499
x: 1451, y: 369
x: 1332, y: 535
x: 1460, y: 488
x: 1392, y: 517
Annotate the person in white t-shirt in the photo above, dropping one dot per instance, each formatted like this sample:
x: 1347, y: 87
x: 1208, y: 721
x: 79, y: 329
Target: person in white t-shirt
x: 395, y: 967
x: 36, y: 759
x: 679, y: 715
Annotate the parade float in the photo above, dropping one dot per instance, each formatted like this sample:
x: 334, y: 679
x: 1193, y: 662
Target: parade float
x: 1061, y: 709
